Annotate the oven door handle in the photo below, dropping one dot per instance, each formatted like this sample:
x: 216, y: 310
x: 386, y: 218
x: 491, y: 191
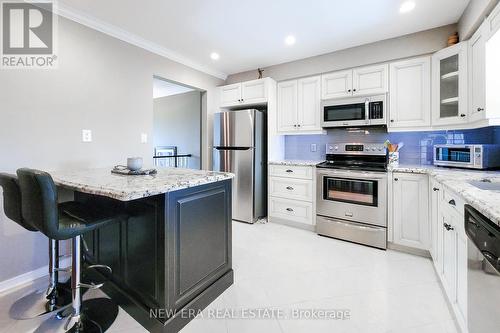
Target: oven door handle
x: 362, y: 175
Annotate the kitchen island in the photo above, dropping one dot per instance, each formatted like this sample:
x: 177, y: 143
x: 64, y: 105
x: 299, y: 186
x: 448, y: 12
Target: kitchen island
x: 171, y: 257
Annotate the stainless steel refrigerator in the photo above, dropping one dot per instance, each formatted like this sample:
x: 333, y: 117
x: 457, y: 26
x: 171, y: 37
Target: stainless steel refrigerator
x: 240, y: 148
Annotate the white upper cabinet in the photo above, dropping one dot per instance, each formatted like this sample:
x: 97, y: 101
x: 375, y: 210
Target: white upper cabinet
x: 493, y: 22
x: 336, y: 85
x: 230, y: 94
x: 449, y: 82
x: 411, y: 210
x: 287, y: 106
x: 245, y: 93
x: 299, y: 106
x: 477, y: 75
x: 370, y: 80
x: 309, y: 104
x: 410, y: 93
x: 254, y: 92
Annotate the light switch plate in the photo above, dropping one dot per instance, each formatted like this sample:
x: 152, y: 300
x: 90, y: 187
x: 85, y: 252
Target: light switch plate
x: 144, y: 138
x: 86, y: 135
x: 314, y: 148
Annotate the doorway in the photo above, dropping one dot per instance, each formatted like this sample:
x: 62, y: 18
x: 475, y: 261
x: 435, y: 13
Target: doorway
x: 177, y: 117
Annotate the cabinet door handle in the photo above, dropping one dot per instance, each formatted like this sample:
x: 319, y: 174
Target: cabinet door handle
x: 354, y: 90
x: 435, y: 189
x: 289, y: 188
x: 392, y: 120
x: 396, y: 179
x: 448, y: 227
x: 289, y: 209
x: 462, y: 115
x: 348, y: 90
x: 289, y: 170
x: 480, y: 109
x: 452, y: 202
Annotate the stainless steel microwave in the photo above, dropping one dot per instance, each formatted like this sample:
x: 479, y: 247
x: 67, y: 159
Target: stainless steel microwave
x: 467, y: 156
x: 355, y: 111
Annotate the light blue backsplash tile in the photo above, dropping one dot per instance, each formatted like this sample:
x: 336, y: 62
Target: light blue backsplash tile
x: 417, y: 149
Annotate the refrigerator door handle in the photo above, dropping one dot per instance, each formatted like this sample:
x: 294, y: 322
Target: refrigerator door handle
x: 233, y: 148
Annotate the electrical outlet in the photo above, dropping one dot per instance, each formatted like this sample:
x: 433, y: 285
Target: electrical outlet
x: 86, y: 135
x: 314, y: 148
x: 144, y: 138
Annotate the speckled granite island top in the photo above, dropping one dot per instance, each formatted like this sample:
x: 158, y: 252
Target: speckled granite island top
x: 126, y: 188
x: 457, y: 180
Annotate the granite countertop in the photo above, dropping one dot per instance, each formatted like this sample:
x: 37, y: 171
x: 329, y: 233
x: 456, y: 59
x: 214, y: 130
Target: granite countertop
x: 457, y: 180
x: 296, y: 162
x: 126, y: 188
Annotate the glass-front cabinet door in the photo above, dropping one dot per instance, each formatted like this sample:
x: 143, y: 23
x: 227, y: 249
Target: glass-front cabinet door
x: 449, y: 70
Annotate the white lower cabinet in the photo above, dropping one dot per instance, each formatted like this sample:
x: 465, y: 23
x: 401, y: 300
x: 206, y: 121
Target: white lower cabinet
x: 451, y: 263
x: 292, y: 210
x: 436, y: 194
x: 411, y: 210
x: 428, y: 216
x: 291, y: 194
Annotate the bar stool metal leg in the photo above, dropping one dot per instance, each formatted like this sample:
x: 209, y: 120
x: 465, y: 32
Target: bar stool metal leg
x: 42, y: 302
x: 90, y: 316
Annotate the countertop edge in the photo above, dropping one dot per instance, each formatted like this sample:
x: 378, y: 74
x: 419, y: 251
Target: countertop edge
x: 457, y: 186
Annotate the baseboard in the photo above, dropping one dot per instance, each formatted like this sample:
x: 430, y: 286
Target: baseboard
x: 293, y: 224
x: 409, y: 250
x: 25, y: 279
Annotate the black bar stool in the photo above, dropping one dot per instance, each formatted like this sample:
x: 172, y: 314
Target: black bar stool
x: 55, y: 296
x: 68, y: 220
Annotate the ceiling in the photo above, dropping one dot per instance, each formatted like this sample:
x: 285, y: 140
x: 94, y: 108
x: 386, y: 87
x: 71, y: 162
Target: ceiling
x: 250, y: 34
x: 163, y: 88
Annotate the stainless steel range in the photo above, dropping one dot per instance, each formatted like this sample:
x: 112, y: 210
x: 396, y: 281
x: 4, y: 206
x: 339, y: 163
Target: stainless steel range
x: 352, y: 193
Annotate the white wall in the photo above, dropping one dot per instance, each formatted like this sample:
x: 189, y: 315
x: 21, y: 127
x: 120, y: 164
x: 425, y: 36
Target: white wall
x: 176, y: 122
x: 419, y: 43
x: 102, y: 84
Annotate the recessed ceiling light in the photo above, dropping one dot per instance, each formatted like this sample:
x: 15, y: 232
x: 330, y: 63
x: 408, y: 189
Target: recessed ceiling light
x: 290, y: 40
x: 214, y: 56
x: 407, y: 6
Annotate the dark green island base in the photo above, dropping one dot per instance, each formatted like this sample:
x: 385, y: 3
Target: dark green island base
x: 171, y: 258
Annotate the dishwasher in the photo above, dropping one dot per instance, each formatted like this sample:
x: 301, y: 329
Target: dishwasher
x: 483, y: 272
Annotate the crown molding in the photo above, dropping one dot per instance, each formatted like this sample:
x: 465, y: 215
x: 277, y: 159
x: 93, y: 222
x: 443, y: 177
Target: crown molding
x: 72, y: 14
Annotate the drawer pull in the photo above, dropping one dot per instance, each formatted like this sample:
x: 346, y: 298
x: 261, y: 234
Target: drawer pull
x: 452, y: 202
x: 289, y: 209
x: 448, y: 227
x: 348, y: 214
x: 435, y: 189
x: 289, y: 170
x: 289, y: 188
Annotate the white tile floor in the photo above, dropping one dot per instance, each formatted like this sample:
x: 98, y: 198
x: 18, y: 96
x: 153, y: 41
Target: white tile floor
x: 282, y: 268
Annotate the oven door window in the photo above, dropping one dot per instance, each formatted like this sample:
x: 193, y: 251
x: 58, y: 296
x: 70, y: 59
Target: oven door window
x: 356, y: 191
x: 345, y: 112
x: 453, y: 154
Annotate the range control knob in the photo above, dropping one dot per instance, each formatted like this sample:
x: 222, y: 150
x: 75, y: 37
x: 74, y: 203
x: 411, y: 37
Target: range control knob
x: 336, y: 148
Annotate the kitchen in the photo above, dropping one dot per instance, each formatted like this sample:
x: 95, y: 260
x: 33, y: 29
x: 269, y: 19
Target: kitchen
x: 337, y: 217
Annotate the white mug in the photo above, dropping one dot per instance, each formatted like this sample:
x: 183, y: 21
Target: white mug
x: 134, y: 163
